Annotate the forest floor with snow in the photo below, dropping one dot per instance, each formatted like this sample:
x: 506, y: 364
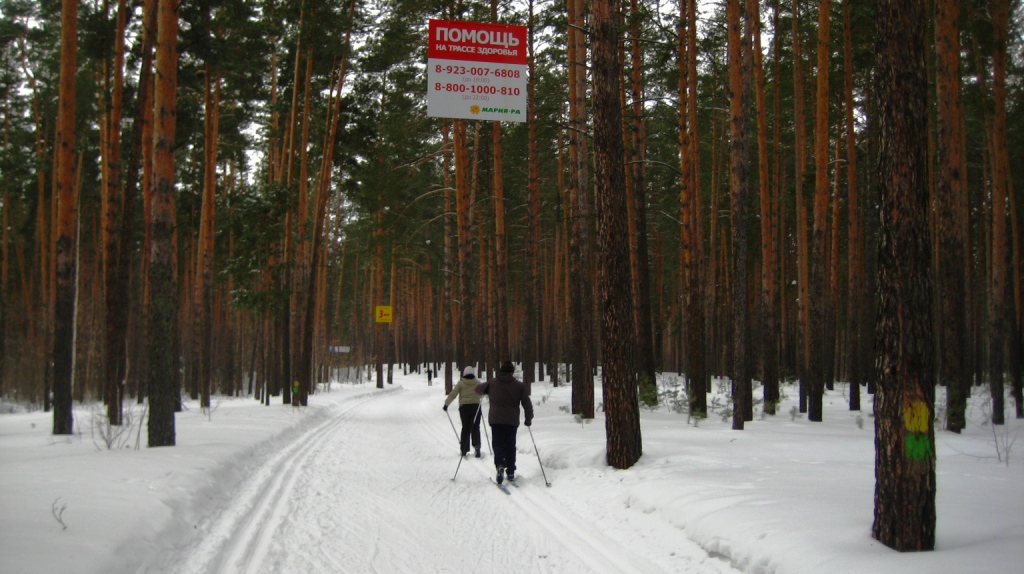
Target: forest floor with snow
x: 362, y: 481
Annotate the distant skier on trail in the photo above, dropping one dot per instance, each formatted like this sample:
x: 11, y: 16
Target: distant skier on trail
x: 469, y: 409
x: 507, y: 394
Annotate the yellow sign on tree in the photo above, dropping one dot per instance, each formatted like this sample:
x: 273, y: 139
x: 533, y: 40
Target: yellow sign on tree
x: 383, y: 314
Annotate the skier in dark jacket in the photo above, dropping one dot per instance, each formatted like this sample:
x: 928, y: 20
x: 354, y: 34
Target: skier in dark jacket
x: 507, y: 395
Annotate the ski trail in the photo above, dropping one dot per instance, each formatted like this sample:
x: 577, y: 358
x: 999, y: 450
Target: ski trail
x: 371, y: 489
x: 594, y: 550
x: 235, y: 541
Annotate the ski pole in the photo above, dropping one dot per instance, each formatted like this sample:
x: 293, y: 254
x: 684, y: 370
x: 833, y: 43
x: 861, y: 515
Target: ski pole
x: 460, y: 443
x: 453, y: 425
x: 546, y: 483
x: 458, y: 467
x: 490, y: 447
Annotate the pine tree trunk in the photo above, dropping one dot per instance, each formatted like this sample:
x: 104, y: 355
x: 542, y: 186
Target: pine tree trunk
x: 145, y: 124
x: 500, y: 257
x: 738, y: 164
x: 464, y: 217
x: 1017, y: 325
x: 163, y: 380
x: 501, y: 327
x: 622, y: 411
x: 449, y: 344
x: 769, y: 322
x: 645, y: 362
x: 64, y: 309
x: 5, y: 238
x: 904, y: 431
x: 579, y: 245
x: 855, y: 241
x: 997, y: 287
x: 203, y: 303
x: 687, y: 197
x: 800, y: 129
x: 778, y: 219
x: 834, y: 344
x: 820, y: 336
x: 389, y: 328
x: 115, y: 290
x: 951, y: 275
x: 304, y: 279
x: 377, y: 298
x: 532, y: 301
x: 699, y: 379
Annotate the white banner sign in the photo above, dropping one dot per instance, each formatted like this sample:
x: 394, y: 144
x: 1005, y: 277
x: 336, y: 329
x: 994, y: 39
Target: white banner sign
x: 476, y: 71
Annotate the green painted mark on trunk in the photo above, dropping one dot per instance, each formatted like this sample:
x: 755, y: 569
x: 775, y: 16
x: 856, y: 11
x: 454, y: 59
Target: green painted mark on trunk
x: 917, y: 447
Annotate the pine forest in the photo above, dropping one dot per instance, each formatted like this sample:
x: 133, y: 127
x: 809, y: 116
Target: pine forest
x: 217, y: 197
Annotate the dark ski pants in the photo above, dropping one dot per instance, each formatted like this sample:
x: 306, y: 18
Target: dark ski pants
x: 503, y: 439
x: 470, y: 415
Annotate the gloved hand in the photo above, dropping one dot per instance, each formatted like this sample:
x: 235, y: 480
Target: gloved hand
x: 528, y: 423
x: 445, y: 408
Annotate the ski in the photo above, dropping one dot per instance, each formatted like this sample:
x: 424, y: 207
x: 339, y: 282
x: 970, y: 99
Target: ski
x: 502, y: 487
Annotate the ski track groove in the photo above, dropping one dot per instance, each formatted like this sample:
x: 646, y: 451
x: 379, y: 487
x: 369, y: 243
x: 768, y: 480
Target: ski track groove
x: 350, y: 494
x: 257, y: 504
x: 584, y: 548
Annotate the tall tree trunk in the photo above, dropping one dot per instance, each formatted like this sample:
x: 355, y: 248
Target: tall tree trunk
x: 855, y: 242
x: 66, y: 253
x: 501, y: 258
x: 687, y: 194
x: 904, y: 431
x: 778, y: 219
x: 377, y: 298
x: 819, y: 240
x: 51, y: 275
x: 203, y: 310
x: 389, y: 328
x: 622, y: 420
x: 5, y: 238
x: 738, y: 164
x: 834, y: 354
x: 951, y: 276
x: 532, y: 295
x: 163, y: 379
x: 769, y: 320
x: 698, y: 380
x: 304, y: 265
x: 579, y: 245
x: 800, y: 130
x: 645, y: 362
x: 464, y: 216
x: 145, y: 124
x: 1017, y: 319
x: 997, y: 307
x: 115, y: 290
x: 449, y: 345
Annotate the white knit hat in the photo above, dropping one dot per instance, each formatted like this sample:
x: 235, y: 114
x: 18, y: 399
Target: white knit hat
x: 469, y: 372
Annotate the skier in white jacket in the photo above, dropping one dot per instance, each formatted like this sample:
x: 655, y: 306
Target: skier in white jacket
x: 469, y: 409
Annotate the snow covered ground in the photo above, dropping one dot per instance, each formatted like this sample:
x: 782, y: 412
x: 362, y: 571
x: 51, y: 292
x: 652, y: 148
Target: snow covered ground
x: 361, y: 481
